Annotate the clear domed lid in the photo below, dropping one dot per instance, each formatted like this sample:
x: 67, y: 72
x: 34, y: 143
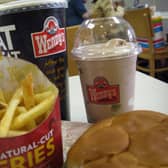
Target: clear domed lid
x: 104, y: 37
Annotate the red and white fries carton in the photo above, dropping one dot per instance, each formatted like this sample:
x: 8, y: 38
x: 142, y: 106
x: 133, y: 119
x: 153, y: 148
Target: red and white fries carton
x: 42, y: 146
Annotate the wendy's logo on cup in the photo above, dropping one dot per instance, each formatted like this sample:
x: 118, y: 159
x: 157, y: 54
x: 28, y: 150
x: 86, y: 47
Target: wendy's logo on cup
x: 101, y: 92
x: 49, y: 41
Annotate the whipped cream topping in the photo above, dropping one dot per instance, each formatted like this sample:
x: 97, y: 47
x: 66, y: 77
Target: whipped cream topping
x: 116, y: 48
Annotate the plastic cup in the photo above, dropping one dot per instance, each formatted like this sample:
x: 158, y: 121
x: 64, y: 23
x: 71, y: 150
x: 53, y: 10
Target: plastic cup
x: 106, y: 50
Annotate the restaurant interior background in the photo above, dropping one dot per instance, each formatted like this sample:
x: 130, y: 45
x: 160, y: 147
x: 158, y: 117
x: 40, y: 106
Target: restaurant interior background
x: 162, y: 5
x: 161, y: 9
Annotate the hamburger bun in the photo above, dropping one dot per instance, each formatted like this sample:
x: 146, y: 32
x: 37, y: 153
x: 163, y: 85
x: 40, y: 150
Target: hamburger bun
x: 137, y: 139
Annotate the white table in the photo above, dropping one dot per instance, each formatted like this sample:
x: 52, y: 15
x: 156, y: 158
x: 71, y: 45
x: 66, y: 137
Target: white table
x: 150, y: 94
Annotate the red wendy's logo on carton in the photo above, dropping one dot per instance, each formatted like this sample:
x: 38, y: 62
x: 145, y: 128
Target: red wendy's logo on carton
x: 103, y: 93
x: 51, y: 40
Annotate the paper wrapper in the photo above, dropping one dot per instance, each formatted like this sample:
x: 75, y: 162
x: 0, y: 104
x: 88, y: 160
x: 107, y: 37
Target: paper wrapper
x: 42, y: 146
x: 13, y: 70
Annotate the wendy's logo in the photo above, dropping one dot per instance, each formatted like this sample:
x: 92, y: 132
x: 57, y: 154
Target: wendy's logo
x: 51, y: 40
x: 101, y: 92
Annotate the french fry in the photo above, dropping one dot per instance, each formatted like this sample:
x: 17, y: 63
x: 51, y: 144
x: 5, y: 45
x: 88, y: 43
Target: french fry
x: 2, y: 112
x: 28, y: 93
x: 21, y: 120
x: 39, y: 97
x: 6, y: 121
x: 40, y: 119
x: 12, y: 133
x: 22, y: 110
x: 2, y: 100
x: 3, y: 105
x: 31, y: 125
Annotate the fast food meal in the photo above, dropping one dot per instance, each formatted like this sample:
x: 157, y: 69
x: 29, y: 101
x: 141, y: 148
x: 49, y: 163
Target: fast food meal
x: 25, y: 109
x: 137, y: 139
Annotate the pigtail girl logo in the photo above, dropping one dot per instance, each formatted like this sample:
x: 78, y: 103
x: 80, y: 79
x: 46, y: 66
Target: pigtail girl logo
x: 51, y: 40
x: 101, y: 92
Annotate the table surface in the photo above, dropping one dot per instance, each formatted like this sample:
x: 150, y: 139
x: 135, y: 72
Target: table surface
x: 150, y: 94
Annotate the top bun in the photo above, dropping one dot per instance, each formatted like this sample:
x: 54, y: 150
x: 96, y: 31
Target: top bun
x: 137, y: 139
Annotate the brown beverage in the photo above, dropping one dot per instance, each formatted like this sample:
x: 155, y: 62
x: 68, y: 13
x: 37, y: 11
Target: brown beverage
x: 107, y: 74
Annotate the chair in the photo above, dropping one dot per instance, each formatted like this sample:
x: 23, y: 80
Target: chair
x: 70, y: 33
x: 151, y: 61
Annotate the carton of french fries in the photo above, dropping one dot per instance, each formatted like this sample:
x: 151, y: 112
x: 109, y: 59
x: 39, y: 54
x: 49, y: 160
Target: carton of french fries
x: 30, y: 123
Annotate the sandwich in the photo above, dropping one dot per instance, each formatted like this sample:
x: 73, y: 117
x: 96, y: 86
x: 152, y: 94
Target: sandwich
x: 137, y: 139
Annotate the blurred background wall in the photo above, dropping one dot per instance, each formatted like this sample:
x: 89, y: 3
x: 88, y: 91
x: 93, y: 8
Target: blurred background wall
x: 161, y: 5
